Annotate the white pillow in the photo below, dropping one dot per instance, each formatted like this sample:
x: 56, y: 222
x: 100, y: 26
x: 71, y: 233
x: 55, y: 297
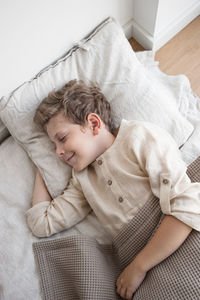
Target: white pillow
x: 105, y: 57
x: 4, y: 133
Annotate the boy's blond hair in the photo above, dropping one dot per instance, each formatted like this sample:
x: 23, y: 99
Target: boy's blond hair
x: 76, y: 100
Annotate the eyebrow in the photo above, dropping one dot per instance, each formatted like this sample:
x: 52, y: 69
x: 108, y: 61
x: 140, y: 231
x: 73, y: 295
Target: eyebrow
x: 56, y: 137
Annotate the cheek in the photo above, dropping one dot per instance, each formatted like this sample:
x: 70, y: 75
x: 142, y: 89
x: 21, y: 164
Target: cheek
x: 83, y: 146
x: 83, y: 151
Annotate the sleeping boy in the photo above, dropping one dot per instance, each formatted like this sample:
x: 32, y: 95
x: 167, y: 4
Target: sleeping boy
x: 114, y: 173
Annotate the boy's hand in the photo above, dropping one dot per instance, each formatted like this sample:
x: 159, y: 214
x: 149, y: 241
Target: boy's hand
x: 170, y: 234
x: 129, y: 280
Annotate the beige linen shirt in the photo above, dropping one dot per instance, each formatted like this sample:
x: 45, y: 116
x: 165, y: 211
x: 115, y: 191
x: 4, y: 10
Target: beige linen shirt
x: 142, y: 162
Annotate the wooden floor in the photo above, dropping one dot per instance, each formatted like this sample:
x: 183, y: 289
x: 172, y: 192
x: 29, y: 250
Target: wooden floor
x: 181, y: 55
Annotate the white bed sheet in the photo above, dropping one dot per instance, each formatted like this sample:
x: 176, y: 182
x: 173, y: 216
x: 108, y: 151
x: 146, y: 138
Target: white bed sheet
x: 179, y: 87
x: 18, y: 274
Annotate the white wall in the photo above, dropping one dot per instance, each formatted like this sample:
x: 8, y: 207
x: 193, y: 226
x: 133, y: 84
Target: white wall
x: 156, y: 21
x: 34, y: 33
x: 169, y: 10
x: 173, y: 16
x: 145, y: 13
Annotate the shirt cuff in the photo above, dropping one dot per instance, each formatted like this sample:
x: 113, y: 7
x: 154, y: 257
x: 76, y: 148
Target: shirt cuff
x: 33, y: 219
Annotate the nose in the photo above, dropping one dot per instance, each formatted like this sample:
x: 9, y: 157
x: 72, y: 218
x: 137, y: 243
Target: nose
x: 59, y: 151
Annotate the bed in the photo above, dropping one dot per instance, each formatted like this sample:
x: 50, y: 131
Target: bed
x: 136, y: 89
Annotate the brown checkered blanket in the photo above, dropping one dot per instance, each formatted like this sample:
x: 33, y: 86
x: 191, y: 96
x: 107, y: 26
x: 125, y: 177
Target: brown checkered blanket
x: 78, y: 267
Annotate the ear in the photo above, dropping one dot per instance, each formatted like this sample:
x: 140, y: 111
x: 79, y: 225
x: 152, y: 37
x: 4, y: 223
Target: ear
x: 94, y: 123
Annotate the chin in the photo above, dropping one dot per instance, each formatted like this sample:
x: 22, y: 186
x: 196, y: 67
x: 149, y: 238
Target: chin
x: 80, y: 167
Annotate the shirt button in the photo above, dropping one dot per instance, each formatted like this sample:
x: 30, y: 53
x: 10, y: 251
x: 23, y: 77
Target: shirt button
x: 109, y: 182
x: 99, y: 162
x: 165, y: 181
x: 121, y: 199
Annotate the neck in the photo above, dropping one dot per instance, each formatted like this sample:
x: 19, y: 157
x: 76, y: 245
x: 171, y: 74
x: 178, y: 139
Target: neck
x: 110, y: 140
x: 106, y: 140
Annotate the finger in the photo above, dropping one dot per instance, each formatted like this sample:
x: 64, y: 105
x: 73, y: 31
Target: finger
x: 119, y: 289
x: 119, y: 280
x: 129, y: 294
x: 123, y: 292
x: 119, y: 285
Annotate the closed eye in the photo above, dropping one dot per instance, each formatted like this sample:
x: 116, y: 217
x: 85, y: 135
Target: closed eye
x: 62, y: 139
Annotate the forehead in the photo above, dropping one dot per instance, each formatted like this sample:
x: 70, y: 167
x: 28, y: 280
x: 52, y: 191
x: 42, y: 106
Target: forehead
x: 57, y: 123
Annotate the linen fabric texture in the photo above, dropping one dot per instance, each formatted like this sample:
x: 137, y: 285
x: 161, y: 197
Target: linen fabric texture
x: 106, y: 58
x: 4, y: 133
x: 143, y: 161
x: 78, y: 267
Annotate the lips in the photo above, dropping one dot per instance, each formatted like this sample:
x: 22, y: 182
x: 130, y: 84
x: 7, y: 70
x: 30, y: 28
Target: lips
x: 70, y: 157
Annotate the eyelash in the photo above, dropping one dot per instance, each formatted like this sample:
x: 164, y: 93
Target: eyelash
x: 62, y: 139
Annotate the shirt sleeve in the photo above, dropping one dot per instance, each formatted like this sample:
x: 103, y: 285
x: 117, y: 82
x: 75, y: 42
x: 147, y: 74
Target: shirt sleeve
x: 47, y: 218
x: 159, y: 157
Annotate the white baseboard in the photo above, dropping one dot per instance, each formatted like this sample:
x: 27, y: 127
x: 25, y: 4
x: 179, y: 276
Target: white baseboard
x: 128, y: 29
x: 182, y: 20
x: 149, y: 42
x: 131, y: 29
x: 142, y: 36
